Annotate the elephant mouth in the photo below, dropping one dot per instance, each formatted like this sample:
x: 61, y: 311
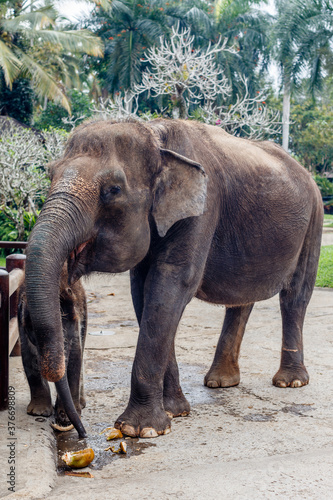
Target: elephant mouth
x: 77, y: 261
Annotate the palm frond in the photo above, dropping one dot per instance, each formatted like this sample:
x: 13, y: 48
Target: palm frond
x: 43, y: 83
x: 199, y: 17
x: 104, y: 4
x: 35, y: 20
x: 82, y: 41
x: 9, y: 63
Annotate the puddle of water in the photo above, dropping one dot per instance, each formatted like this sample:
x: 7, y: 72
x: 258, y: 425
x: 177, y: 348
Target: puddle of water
x: 102, y: 332
x: 68, y: 441
x: 258, y: 417
x: 298, y: 409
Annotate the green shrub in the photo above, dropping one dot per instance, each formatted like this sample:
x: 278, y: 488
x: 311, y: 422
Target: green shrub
x: 325, y: 268
x: 325, y: 186
x: 24, y: 178
x: 53, y: 115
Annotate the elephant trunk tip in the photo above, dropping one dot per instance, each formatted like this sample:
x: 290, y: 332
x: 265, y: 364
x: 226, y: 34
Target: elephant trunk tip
x: 52, y: 369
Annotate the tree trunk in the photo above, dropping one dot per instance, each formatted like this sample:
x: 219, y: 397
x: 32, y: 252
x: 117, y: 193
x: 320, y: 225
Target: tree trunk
x: 286, y: 114
x: 180, y: 102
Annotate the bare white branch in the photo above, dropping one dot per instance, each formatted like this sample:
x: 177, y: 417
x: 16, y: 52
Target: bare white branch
x: 118, y: 108
x: 70, y: 120
x: 178, y: 69
x: 249, y: 116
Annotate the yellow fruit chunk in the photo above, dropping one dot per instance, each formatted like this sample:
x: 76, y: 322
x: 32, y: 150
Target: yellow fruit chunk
x: 78, y: 459
x: 122, y: 448
x: 114, y: 434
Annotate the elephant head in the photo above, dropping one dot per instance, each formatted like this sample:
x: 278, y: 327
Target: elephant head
x: 114, y: 184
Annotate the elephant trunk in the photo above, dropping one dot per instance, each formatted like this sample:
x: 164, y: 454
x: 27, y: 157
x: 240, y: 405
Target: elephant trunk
x: 62, y: 225
x: 65, y: 396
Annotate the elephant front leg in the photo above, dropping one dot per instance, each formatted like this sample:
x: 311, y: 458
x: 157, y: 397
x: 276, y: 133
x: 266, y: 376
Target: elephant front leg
x: 155, y: 372
x: 40, y: 403
x: 174, y: 401
x: 145, y: 415
x: 224, y: 371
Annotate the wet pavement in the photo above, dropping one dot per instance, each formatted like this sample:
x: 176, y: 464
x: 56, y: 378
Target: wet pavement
x: 253, y: 441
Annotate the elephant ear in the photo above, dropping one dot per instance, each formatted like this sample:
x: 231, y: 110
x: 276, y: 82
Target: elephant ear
x: 180, y: 192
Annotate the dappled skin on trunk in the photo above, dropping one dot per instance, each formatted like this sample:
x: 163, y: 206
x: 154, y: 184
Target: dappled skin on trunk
x: 191, y: 211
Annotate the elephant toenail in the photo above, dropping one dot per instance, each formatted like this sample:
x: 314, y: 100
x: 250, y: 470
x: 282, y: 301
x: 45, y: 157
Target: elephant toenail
x: 128, y: 430
x: 148, y: 432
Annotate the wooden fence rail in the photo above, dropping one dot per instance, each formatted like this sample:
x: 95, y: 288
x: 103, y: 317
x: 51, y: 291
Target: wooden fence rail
x: 10, y: 280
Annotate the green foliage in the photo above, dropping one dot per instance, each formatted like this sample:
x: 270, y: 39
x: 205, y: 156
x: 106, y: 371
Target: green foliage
x: 328, y: 220
x: 23, y: 177
x: 34, y: 44
x: 9, y: 229
x: 52, y: 116
x: 325, y: 269
x: 312, y: 135
x: 302, y: 35
x: 17, y: 102
x: 247, y: 29
x: 127, y: 30
x: 325, y: 186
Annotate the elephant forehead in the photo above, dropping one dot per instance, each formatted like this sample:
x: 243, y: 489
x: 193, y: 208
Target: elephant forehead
x: 111, y: 174
x: 73, y: 182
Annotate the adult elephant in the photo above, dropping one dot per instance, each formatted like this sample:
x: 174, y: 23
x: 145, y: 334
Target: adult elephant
x: 191, y: 211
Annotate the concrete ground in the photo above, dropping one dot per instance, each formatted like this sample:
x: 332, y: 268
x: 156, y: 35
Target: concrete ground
x: 253, y: 441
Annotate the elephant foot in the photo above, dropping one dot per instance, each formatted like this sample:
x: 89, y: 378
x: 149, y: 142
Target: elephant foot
x: 222, y: 378
x: 143, y: 422
x: 291, y: 377
x: 62, y: 421
x: 176, y: 406
x: 39, y: 407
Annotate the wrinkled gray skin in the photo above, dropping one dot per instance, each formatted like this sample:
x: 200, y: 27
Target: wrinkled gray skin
x: 191, y: 211
x: 74, y: 328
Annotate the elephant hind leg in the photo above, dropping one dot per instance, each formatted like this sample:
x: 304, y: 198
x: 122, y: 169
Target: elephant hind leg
x: 224, y: 371
x: 292, y: 372
x: 294, y: 300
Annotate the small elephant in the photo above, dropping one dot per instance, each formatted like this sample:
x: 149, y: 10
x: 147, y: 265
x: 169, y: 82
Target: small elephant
x: 74, y: 327
x: 191, y: 211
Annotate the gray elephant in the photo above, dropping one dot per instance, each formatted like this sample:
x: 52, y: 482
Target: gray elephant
x: 74, y: 328
x: 192, y: 212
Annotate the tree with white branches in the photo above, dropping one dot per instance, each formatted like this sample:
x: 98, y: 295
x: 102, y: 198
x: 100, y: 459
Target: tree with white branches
x: 191, y: 76
x: 248, y: 116
x: 187, y: 74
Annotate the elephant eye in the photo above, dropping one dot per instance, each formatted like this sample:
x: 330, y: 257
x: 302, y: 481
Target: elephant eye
x: 108, y: 193
x: 114, y: 189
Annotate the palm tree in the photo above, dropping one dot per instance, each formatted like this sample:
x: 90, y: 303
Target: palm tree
x: 25, y: 32
x: 302, y: 37
x: 127, y: 29
x: 246, y: 29
x: 130, y: 27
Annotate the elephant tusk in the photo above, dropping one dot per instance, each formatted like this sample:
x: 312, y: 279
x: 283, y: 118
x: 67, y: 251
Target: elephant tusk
x: 57, y: 427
